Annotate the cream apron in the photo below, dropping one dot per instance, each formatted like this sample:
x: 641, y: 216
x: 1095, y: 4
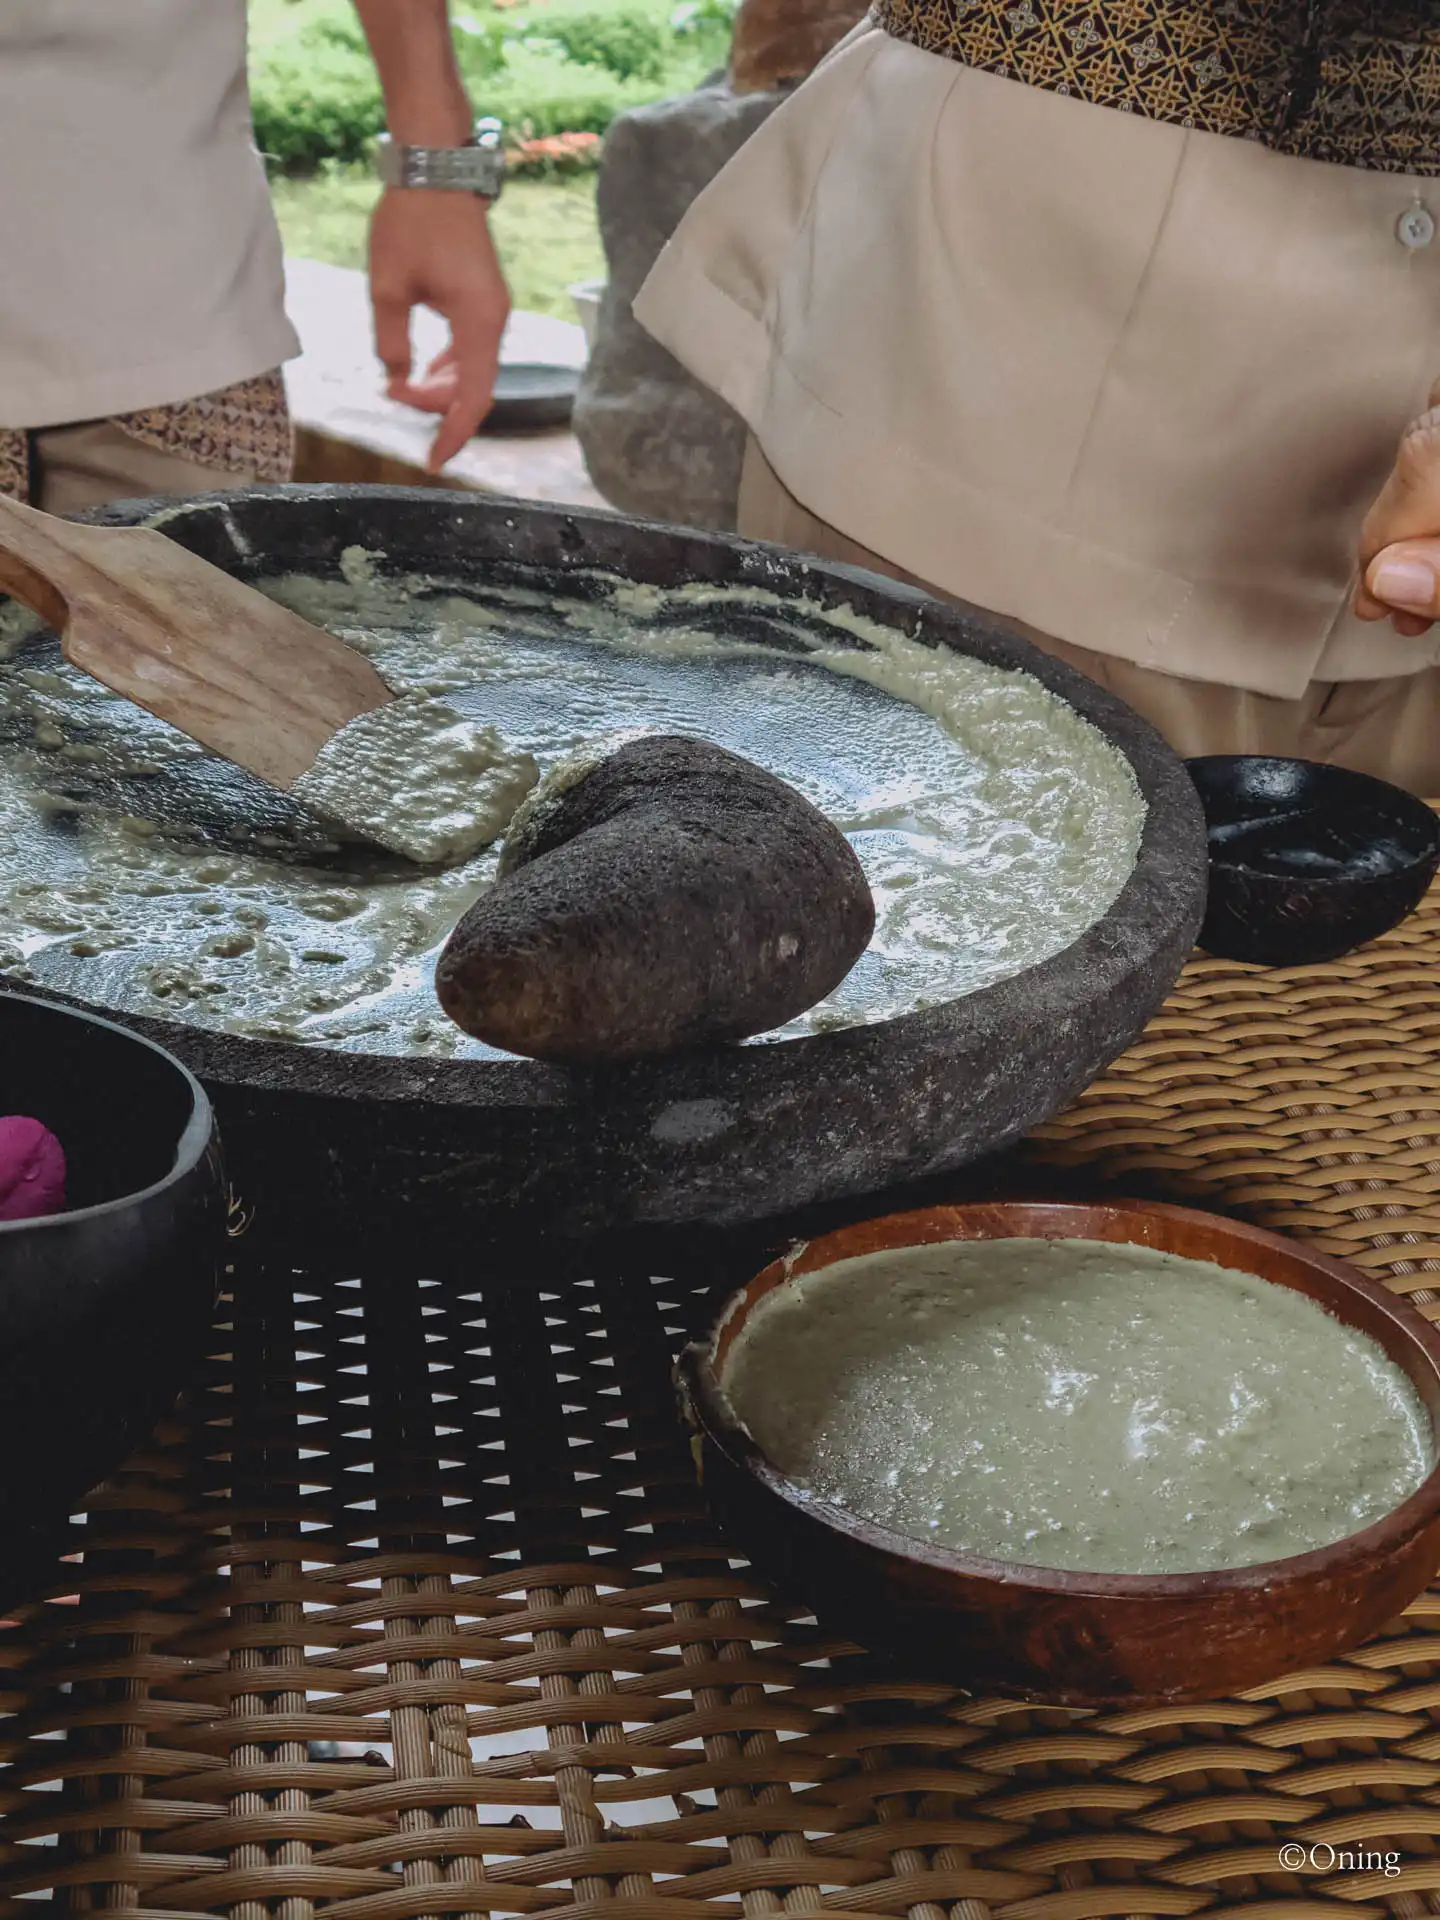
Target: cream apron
x: 1132, y: 385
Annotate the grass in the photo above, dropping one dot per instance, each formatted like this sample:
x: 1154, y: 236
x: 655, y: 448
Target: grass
x: 545, y: 231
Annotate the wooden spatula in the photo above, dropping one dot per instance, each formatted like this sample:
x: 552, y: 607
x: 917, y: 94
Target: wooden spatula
x: 247, y: 679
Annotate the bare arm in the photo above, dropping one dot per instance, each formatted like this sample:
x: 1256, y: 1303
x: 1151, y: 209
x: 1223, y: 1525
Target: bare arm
x: 425, y: 101
x: 426, y: 247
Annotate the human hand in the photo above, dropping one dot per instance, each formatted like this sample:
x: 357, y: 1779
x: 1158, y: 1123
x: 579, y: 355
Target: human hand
x: 433, y: 248
x: 1400, y: 541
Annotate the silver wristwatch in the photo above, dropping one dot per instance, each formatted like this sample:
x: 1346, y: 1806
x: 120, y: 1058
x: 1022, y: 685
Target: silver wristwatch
x: 476, y: 168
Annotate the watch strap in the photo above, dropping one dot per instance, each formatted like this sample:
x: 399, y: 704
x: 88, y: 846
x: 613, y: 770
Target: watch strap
x: 478, y: 167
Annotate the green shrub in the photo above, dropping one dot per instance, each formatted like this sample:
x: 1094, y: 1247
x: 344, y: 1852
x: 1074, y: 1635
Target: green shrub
x: 703, y: 30
x: 566, y: 67
x: 629, y: 44
x: 541, y: 93
x: 704, y: 16
x: 314, y: 101
x: 479, y: 44
x: 335, y: 30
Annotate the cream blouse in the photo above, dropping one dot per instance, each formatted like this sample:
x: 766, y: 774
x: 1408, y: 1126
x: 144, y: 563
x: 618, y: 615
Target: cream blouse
x: 1131, y: 384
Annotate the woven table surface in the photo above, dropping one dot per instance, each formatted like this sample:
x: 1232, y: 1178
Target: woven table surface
x: 413, y: 1608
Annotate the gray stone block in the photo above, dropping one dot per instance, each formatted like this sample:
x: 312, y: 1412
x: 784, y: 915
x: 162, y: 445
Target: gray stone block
x: 656, y: 442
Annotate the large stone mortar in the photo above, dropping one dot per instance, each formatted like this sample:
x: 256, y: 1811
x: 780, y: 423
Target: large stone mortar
x: 721, y: 1136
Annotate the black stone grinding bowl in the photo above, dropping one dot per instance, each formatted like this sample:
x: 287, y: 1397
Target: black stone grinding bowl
x: 103, y: 1308
x: 343, y: 1143
x: 1307, y: 862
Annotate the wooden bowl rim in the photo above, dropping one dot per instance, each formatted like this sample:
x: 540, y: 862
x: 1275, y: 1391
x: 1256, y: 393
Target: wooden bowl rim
x: 708, y: 1410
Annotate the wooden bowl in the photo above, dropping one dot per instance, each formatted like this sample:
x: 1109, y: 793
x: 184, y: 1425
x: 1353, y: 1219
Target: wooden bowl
x: 1307, y: 862
x: 1077, y: 1639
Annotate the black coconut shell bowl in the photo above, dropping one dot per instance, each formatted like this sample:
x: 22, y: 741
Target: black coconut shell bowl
x: 103, y: 1308
x: 363, y: 1143
x: 1071, y: 1638
x: 1307, y: 862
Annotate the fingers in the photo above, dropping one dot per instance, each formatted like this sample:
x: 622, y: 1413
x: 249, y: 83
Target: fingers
x: 1408, y: 625
x: 1403, y: 582
x: 392, y: 333
x: 391, y: 295
x: 1409, y: 506
x: 1400, y: 541
x: 434, y: 390
x: 474, y: 361
x: 459, y: 384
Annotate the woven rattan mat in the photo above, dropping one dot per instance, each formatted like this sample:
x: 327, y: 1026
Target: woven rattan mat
x: 413, y: 1610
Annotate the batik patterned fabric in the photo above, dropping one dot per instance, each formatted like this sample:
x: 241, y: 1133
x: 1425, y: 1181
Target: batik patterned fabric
x: 1355, y: 82
x: 242, y: 429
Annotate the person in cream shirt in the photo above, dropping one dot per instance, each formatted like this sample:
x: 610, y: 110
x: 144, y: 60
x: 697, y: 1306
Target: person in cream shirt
x: 142, y: 319
x: 1108, y: 319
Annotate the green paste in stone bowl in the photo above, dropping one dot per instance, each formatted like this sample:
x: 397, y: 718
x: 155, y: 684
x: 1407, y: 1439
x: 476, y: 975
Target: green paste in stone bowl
x: 137, y: 873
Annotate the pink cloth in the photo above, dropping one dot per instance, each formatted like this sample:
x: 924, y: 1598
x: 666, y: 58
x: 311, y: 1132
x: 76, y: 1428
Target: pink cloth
x: 32, y: 1170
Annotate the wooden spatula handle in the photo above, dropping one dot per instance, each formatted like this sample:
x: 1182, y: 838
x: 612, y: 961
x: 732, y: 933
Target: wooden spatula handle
x: 36, y: 564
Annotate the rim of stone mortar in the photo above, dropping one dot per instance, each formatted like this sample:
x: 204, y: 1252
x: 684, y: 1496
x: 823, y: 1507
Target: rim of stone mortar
x: 1160, y: 905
